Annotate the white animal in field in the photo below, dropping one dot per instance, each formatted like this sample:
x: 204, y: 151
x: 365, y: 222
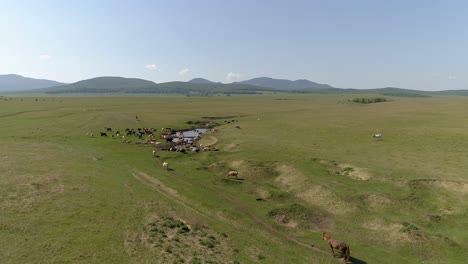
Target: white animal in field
x: 154, y: 153
x: 377, y: 135
x: 165, y: 165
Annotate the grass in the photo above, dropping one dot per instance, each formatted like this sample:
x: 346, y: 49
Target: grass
x: 69, y: 198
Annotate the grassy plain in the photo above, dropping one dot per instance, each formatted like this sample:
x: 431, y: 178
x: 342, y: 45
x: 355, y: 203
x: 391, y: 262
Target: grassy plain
x: 69, y: 198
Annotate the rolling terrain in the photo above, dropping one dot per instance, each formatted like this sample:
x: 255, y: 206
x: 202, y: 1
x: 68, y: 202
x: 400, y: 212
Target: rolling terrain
x: 198, y: 87
x: 307, y: 163
x: 14, y: 82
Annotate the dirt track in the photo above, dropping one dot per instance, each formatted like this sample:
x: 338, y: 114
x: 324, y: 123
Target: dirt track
x: 169, y: 193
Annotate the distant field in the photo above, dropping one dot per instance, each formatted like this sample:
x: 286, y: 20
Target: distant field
x: 307, y: 163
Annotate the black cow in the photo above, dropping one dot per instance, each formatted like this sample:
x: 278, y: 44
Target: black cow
x: 103, y: 134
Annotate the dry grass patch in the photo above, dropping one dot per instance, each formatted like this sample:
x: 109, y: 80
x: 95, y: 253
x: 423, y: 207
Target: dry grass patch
x: 208, y: 141
x: 237, y: 164
x: 173, y: 240
x: 295, y: 182
x: 388, y: 232
x: 326, y: 199
x: 23, y: 186
x: 353, y: 172
x: 231, y: 147
x: 452, y: 186
x: 296, y: 215
x: 449, y: 197
x: 376, y: 200
x: 348, y: 170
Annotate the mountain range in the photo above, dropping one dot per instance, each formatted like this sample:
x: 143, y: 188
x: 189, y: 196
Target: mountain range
x: 198, y: 86
x: 14, y: 82
x: 267, y: 82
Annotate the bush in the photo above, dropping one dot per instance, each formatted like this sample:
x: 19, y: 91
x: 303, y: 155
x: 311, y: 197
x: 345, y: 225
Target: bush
x: 408, y: 227
x: 368, y: 100
x: 196, y: 261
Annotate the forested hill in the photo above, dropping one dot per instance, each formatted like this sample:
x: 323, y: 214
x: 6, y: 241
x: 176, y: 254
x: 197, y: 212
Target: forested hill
x: 102, y: 84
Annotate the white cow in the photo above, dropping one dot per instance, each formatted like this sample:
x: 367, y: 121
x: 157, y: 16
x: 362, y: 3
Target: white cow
x: 377, y: 135
x: 165, y: 165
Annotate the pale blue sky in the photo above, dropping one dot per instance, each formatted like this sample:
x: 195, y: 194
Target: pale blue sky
x: 361, y: 44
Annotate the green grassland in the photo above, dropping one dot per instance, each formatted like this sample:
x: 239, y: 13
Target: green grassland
x: 307, y: 163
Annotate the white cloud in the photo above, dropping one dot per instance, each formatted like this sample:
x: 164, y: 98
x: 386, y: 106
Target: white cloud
x: 232, y: 76
x: 45, y: 57
x: 452, y: 77
x: 152, y: 67
x: 184, y: 72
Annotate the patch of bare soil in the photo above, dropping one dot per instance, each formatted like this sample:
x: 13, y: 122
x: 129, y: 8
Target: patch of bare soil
x: 262, y: 193
x: 377, y: 200
x: 453, y: 186
x: 354, y: 172
x: 295, y: 182
x: 284, y: 220
x: 389, y: 232
x: 237, y: 164
x: 326, y: 199
x: 348, y: 170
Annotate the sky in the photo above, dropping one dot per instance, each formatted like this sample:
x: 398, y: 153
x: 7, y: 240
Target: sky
x: 363, y: 44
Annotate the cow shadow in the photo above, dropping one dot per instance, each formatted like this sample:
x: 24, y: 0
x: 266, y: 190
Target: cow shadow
x: 236, y: 179
x: 354, y: 260
x: 233, y: 180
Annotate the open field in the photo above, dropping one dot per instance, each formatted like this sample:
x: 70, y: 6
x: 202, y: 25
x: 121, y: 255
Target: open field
x: 311, y: 159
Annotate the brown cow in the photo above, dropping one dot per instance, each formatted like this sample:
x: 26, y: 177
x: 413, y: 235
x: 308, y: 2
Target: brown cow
x: 232, y: 174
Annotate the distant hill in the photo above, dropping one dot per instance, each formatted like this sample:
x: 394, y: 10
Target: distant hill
x: 101, y: 84
x: 389, y: 91
x: 14, y: 82
x: 453, y: 92
x: 185, y: 88
x: 284, y: 84
x: 200, y: 80
x: 204, y: 87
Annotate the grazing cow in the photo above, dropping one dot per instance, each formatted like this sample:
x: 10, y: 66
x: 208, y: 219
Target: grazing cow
x: 377, y: 135
x: 237, y: 126
x: 232, y: 174
x: 340, y: 245
x: 103, y: 134
x: 109, y: 129
x: 165, y: 165
x: 154, y: 153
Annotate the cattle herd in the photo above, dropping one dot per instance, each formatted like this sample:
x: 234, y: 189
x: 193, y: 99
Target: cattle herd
x: 167, y: 140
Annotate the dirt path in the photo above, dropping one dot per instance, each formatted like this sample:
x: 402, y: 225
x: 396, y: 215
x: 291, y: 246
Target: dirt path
x: 167, y: 192
x: 29, y: 111
x: 269, y: 227
x: 173, y: 195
